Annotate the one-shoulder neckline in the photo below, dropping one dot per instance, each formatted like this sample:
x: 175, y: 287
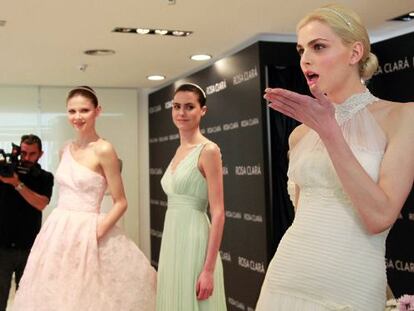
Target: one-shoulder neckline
x: 173, y: 171
x: 81, y: 165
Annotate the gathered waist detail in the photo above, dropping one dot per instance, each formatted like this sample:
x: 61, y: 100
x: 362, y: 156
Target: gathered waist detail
x: 181, y: 201
x: 71, y: 209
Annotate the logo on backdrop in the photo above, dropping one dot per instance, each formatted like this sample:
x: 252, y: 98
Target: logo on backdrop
x: 251, y: 264
x: 156, y: 233
x: 248, y: 170
x: 244, y: 216
x: 406, y: 217
x: 249, y: 122
x: 245, y: 76
x: 165, y: 138
x: 225, y: 170
x: 234, y: 125
x: 158, y: 202
x: 397, y: 65
x: 156, y: 171
x: 238, y: 304
x: 217, y: 87
x: 400, y: 265
x: 252, y: 217
x: 230, y: 126
x: 234, y: 215
x: 225, y: 256
x: 154, y: 109
x: 214, y: 129
x: 168, y: 104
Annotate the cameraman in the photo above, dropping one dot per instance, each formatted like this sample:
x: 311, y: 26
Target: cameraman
x: 22, y: 199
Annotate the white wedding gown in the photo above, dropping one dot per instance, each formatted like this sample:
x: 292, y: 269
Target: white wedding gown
x: 327, y: 260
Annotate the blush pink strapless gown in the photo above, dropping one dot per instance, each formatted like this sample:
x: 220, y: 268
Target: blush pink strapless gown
x: 69, y: 270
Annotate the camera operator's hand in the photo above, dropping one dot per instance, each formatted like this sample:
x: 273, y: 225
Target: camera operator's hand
x: 14, y: 181
x: 36, y: 200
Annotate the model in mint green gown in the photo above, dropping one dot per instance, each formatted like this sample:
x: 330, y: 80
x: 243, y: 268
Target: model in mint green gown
x: 185, y: 239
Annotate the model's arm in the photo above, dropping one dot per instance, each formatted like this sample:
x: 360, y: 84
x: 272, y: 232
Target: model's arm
x: 211, y: 166
x: 377, y: 203
x: 36, y: 200
x: 111, y: 167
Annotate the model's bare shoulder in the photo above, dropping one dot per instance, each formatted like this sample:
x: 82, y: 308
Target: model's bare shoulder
x: 403, y: 114
x: 103, y: 148
x: 394, y: 116
x: 211, y: 147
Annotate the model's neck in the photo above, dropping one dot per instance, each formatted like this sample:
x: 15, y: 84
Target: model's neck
x: 83, y: 139
x: 190, y: 138
x: 345, y: 91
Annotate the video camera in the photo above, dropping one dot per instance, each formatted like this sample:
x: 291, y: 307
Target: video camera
x: 11, y: 163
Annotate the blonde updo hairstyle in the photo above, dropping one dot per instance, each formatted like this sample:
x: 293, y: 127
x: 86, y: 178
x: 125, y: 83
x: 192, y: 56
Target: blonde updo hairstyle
x: 348, y: 26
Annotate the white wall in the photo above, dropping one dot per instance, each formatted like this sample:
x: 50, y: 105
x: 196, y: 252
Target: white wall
x: 143, y: 155
x: 41, y: 111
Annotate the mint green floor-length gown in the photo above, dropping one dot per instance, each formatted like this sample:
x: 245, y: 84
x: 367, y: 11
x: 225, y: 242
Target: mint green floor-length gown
x: 185, y: 239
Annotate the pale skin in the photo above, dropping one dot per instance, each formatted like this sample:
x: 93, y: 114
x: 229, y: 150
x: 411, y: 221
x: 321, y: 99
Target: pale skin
x: 186, y: 114
x: 378, y: 204
x: 29, y: 153
x: 98, y: 155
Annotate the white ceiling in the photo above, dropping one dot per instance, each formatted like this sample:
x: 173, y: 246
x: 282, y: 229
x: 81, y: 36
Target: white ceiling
x: 43, y: 40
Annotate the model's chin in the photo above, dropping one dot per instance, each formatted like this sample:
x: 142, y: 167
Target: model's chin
x: 78, y: 127
x: 181, y: 124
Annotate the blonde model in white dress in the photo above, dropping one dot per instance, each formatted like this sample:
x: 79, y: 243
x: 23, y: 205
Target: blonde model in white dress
x: 326, y: 260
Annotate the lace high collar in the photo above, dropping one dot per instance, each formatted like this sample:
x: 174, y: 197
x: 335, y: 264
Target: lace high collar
x: 352, y: 105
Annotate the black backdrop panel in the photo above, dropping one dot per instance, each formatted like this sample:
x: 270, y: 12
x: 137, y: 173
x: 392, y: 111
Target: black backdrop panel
x: 280, y: 66
x: 234, y: 122
x: 394, y: 81
x: 281, y: 213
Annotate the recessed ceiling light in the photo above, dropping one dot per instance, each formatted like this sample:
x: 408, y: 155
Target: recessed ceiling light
x: 156, y: 77
x: 142, y: 31
x: 200, y: 57
x: 99, y: 52
x: 405, y: 18
x: 2, y: 23
x: 161, y: 32
x: 178, y: 33
x: 149, y: 31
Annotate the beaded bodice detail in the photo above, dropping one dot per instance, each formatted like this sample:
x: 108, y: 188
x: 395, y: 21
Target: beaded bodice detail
x: 352, y: 105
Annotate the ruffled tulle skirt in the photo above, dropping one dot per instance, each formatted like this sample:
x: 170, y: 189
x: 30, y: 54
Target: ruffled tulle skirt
x: 69, y: 270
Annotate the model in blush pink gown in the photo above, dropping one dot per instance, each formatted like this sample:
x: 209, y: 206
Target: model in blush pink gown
x: 69, y: 269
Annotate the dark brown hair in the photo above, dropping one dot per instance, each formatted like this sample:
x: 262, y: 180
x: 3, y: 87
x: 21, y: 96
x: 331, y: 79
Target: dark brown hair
x: 84, y: 91
x: 31, y: 139
x: 194, y: 88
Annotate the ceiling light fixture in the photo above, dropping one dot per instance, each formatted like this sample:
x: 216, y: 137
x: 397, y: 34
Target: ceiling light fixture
x: 156, y: 77
x: 161, y: 32
x: 142, y: 31
x: 404, y: 18
x: 178, y: 33
x: 149, y: 31
x: 200, y: 57
x: 99, y: 52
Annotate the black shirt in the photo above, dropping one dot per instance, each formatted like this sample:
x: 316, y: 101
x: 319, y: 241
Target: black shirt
x: 20, y: 222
